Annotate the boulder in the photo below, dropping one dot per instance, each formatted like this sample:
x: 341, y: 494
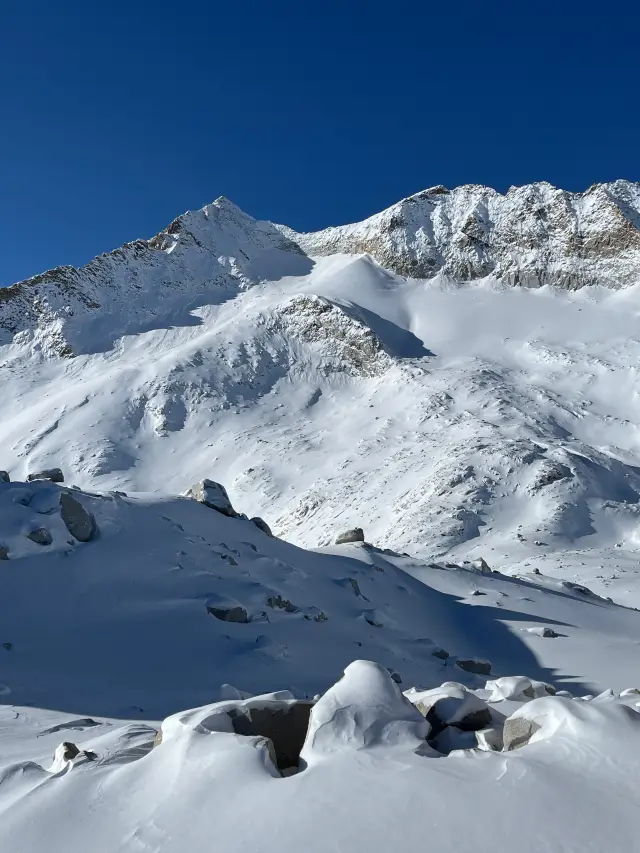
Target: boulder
x: 68, y: 750
x: 479, y: 667
x: 452, y: 704
x: 517, y: 732
x: 4, y: 552
x: 79, y: 521
x: 229, y: 614
x: 4, y: 477
x: 53, y: 474
x: 280, y: 603
x: 451, y: 738
x: 354, y: 535
x: 41, y: 536
x: 441, y: 654
x: 514, y: 687
x: 213, y: 495
x: 481, y: 565
x: 364, y: 709
x: 261, y: 524
x: 490, y: 740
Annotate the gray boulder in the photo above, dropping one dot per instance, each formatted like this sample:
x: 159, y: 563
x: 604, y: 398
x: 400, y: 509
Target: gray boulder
x: 79, y: 521
x: 69, y: 750
x: 261, y: 524
x: 354, y: 535
x: 490, y: 739
x: 229, y: 614
x: 53, y: 474
x: 478, y: 667
x: 517, y: 732
x: 4, y: 477
x: 452, y: 704
x: 41, y: 536
x: 213, y: 495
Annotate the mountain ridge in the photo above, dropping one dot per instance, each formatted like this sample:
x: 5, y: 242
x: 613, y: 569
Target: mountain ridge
x: 529, y: 236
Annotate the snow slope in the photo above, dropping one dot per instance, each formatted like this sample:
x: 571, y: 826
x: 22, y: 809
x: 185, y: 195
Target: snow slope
x: 438, y: 416
x: 113, y: 634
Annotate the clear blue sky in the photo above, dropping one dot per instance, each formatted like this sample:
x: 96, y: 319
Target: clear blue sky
x: 118, y: 116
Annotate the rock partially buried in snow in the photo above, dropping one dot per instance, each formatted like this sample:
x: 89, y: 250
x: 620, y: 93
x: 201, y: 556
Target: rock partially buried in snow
x: 41, y: 536
x: 354, y: 535
x: 516, y: 687
x: 490, y: 739
x: 79, y: 521
x: 481, y: 565
x: 4, y: 477
x: 475, y: 665
x: 261, y: 524
x: 542, y: 631
x: 68, y: 751
x: 229, y: 614
x: 365, y: 708
x: 451, y: 704
x: 4, y: 552
x: 213, y: 495
x: 518, y: 732
x: 53, y: 474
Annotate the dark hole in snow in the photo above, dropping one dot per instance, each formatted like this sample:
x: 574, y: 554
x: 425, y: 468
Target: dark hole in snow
x: 286, y: 728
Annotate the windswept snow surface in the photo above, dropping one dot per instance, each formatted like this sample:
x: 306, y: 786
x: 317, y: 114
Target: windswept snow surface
x: 114, y: 634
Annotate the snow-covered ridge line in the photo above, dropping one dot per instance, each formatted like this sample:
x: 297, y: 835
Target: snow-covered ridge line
x: 203, y: 257
x: 532, y: 236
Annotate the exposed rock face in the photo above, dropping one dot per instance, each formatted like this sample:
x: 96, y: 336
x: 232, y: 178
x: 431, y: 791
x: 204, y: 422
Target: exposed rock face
x: 531, y: 236
x: 261, y: 524
x: 479, y: 667
x: 286, y: 728
x: 481, y: 565
x: 213, y: 495
x: 355, y: 535
x: 53, y: 474
x: 69, y: 750
x: 79, y: 521
x: 4, y: 477
x: 517, y: 732
x: 41, y: 536
x: 208, y: 250
x: 4, y: 552
x: 490, y: 739
x: 229, y: 614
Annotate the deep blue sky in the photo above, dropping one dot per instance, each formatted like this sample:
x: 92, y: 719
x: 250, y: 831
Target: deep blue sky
x: 118, y: 116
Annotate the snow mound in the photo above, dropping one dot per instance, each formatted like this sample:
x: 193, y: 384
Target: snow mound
x: 364, y: 709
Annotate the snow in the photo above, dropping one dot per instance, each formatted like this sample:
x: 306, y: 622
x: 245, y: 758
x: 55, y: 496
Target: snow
x: 482, y: 434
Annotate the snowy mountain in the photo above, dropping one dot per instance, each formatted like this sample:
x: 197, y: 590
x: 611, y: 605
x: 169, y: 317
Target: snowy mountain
x: 437, y: 414
x: 457, y: 376
x: 532, y: 236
